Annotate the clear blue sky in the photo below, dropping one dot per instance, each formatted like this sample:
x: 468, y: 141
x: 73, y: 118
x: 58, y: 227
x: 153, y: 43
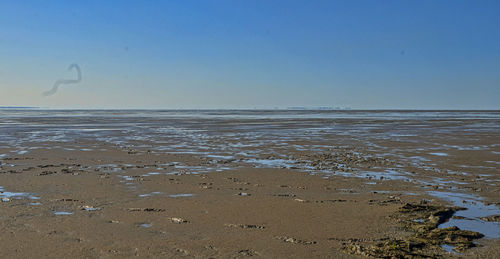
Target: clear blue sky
x: 252, y: 54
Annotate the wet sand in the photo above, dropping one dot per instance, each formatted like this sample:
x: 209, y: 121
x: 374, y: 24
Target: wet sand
x: 228, y: 184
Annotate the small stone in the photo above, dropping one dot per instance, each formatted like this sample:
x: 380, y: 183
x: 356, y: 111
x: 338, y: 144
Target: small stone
x: 492, y: 218
x: 178, y: 220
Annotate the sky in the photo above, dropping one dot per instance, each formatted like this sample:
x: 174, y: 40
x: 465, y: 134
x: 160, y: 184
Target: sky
x: 251, y: 54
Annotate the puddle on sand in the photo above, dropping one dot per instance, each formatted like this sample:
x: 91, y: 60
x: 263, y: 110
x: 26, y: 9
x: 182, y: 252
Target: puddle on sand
x: 181, y: 195
x: 126, y: 177
x: 438, y: 154
x: 149, y: 194
x: 145, y: 225
x: 220, y: 156
x: 62, y: 213
x: 475, y: 209
x: 388, y: 174
x: 7, y: 196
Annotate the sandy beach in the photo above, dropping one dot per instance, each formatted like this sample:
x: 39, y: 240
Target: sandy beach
x: 233, y: 184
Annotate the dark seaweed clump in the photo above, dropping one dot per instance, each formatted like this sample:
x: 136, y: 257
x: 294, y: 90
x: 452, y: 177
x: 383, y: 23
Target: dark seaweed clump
x: 426, y: 239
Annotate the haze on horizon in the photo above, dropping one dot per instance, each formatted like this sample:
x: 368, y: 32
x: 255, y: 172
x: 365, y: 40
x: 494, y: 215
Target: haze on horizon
x: 251, y: 54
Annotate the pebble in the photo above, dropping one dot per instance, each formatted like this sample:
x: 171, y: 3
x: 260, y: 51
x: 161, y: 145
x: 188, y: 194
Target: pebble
x: 178, y: 220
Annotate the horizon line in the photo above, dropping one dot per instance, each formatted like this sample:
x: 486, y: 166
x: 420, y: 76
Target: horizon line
x: 249, y: 109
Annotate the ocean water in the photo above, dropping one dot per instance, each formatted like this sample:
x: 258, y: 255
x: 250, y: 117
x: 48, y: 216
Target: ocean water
x: 226, y: 134
x: 66, y: 125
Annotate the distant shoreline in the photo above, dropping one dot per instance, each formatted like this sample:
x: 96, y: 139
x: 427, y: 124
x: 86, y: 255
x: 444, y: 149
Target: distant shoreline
x: 349, y: 110
x: 18, y: 107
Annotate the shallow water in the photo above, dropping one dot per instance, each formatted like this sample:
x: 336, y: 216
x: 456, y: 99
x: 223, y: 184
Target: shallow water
x: 62, y: 213
x: 475, y: 209
x: 6, y: 196
x: 145, y: 225
x: 88, y: 208
x: 179, y: 195
x: 438, y: 154
x: 150, y: 194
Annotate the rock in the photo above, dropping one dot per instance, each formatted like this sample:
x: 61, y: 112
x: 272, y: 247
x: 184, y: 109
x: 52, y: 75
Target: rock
x: 492, y: 218
x: 247, y: 252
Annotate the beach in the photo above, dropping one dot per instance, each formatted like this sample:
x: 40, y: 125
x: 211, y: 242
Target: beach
x: 239, y: 183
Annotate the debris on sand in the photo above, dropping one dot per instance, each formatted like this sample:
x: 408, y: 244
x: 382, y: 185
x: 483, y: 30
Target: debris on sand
x: 247, y: 252
x: 90, y: 208
x: 245, y: 226
x: 296, y: 241
x: 146, y: 209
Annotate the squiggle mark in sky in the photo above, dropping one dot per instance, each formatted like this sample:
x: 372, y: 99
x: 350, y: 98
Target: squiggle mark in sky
x: 65, y: 81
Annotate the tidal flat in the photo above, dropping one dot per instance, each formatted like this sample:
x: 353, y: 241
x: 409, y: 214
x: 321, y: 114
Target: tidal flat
x: 238, y: 183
